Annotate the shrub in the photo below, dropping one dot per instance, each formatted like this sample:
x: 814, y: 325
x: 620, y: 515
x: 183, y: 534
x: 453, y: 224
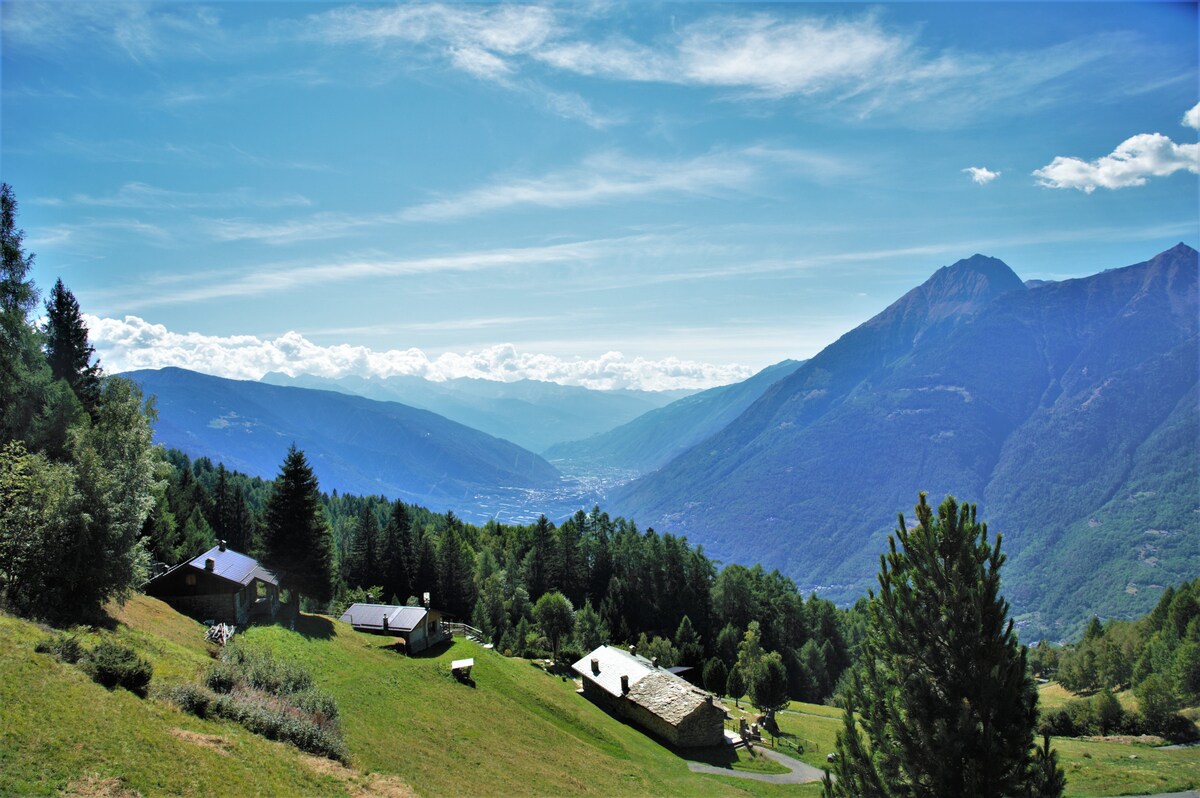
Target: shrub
x: 191, y: 698
x: 64, y: 647
x: 113, y: 665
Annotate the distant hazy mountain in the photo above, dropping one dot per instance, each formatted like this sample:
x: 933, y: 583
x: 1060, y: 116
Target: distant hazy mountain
x: 530, y: 413
x: 652, y: 439
x: 1068, y: 411
x: 355, y: 445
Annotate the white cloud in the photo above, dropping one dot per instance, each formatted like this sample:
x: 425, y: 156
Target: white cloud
x: 1192, y: 117
x: 220, y: 285
x: 133, y: 343
x: 981, y: 174
x: 1134, y: 161
x: 612, y: 176
x: 141, y: 195
x: 602, y: 178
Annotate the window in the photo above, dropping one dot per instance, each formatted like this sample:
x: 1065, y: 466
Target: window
x: 190, y: 580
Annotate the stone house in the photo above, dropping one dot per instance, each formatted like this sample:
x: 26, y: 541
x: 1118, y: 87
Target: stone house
x: 637, y: 690
x: 419, y: 627
x: 219, y: 585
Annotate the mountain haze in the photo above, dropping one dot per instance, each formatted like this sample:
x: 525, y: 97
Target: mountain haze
x: 354, y: 444
x: 1067, y: 411
x: 530, y: 413
x: 654, y: 438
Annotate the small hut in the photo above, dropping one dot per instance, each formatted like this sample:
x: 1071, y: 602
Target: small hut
x: 419, y: 627
x: 636, y: 689
x: 219, y: 585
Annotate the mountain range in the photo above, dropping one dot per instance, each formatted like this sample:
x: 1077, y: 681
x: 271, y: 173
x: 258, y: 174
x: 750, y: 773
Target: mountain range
x: 654, y: 438
x: 530, y: 413
x: 354, y: 444
x: 1067, y: 410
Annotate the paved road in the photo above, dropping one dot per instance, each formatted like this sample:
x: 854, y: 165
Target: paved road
x: 801, y: 773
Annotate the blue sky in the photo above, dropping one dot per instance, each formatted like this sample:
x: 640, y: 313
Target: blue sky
x: 609, y: 194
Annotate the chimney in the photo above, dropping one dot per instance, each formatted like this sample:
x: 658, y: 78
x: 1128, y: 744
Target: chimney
x: 632, y: 649
x: 595, y: 665
x: 654, y: 662
x: 210, y: 564
x: 385, y: 623
x: 221, y: 545
x: 426, y: 597
x: 624, y: 685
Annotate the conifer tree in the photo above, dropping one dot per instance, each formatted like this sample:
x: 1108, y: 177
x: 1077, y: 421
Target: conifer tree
x: 298, y: 543
x: 364, y: 551
x: 397, y: 557
x: 943, y: 695
x: 67, y: 349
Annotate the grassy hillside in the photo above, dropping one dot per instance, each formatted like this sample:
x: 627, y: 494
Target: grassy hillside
x: 519, y: 731
x: 410, y: 727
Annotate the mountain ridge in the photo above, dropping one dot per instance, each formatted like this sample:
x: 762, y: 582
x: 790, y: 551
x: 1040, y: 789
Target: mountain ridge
x: 810, y: 477
x: 355, y: 444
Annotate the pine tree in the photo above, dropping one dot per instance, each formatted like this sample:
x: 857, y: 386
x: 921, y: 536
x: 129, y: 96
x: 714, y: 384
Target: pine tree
x: 67, y: 349
x: 23, y: 372
x: 397, y: 557
x: 364, y: 551
x: 943, y: 695
x: 299, y: 546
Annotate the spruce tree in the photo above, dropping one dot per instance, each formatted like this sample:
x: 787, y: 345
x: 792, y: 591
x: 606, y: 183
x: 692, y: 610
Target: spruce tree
x: 67, y: 349
x: 943, y: 694
x: 298, y: 543
x: 364, y: 551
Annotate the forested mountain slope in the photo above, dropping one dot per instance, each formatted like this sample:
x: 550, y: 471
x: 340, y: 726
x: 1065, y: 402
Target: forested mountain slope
x: 354, y: 444
x: 653, y: 439
x: 1067, y: 410
x: 530, y: 413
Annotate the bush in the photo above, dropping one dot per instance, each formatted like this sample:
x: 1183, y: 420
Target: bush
x: 113, y: 665
x: 64, y: 647
x: 191, y: 698
x: 277, y: 720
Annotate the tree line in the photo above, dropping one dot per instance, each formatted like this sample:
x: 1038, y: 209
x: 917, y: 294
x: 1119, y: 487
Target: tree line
x: 77, y: 468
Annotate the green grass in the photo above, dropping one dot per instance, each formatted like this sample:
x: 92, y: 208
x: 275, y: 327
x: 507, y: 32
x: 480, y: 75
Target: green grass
x: 58, y: 728
x: 518, y: 731
x: 1104, y: 768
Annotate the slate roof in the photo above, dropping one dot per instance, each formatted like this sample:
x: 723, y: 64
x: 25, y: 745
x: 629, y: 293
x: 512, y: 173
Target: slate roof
x: 656, y: 689
x: 613, y: 664
x: 370, y: 617
x: 230, y: 565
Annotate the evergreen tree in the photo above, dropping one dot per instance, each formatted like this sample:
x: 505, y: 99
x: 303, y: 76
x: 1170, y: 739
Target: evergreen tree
x: 589, y: 628
x: 298, y: 543
x: 687, y: 642
x: 944, y: 696
x: 398, y: 552
x: 716, y: 677
x: 735, y: 685
x: 23, y: 371
x: 364, y: 551
x: 67, y: 349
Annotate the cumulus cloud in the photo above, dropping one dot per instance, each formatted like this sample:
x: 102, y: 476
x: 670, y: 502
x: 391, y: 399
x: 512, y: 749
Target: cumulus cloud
x: 1192, y: 117
x: 133, y: 343
x: 981, y: 174
x: 1132, y: 163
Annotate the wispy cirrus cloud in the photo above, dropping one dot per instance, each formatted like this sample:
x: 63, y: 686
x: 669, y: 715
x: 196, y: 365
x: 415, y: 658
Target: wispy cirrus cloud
x: 601, y: 178
x: 209, y: 286
x: 139, y: 31
x: 132, y: 343
x: 142, y: 195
